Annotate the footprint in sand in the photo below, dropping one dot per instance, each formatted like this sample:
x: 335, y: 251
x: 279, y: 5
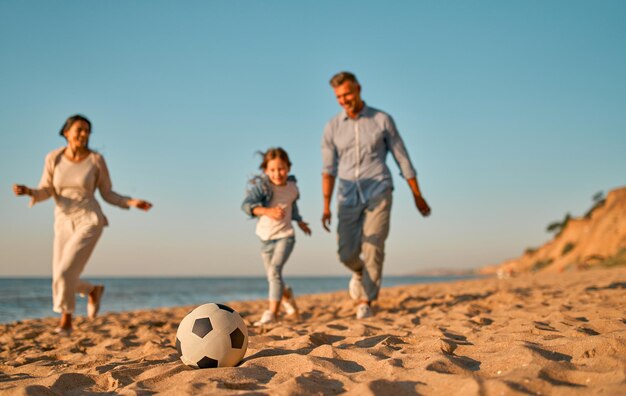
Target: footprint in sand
x: 458, y: 339
x: 346, y: 366
x: 314, y: 382
x: 614, y: 285
x: 552, y: 377
x: 482, y: 321
x: 454, y: 365
x: 475, y: 310
x: 337, y: 327
x: 544, y: 326
x: 588, y: 331
x: 386, y: 387
x: 14, y: 377
x: 129, y: 341
x: 318, y: 339
x: 78, y: 383
x: 520, y: 388
x: 547, y: 354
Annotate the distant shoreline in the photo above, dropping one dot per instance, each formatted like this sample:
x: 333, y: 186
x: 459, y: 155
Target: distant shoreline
x: 24, y: 298
x: 424, y: 273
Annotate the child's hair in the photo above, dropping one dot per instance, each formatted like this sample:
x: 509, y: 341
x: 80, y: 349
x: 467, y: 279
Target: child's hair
x: 273, y: 153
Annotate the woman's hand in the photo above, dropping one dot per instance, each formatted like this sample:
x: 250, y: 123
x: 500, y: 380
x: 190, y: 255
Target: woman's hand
x: 19, y: 189
x: 304, y: 227
x: 140, y: 204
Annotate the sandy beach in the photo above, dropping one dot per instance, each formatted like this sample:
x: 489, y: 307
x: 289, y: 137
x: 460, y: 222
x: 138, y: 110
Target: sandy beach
x: 561, y: 334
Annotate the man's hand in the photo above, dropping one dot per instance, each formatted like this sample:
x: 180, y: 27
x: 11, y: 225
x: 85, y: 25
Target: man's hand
x: 328, y: 184
x: 326, y: 216
x: 422, y: 206
x: 420, y: 202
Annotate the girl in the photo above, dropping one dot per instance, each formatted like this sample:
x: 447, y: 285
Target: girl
x: 272, y: 199
x: 71, y: 175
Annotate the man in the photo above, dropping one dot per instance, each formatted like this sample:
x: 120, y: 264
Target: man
x: 354, y: 149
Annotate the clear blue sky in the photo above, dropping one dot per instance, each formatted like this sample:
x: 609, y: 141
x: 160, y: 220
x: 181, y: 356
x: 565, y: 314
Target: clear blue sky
x: 513, y: 112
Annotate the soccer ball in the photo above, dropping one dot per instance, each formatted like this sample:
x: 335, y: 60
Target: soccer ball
x: 212, y: 335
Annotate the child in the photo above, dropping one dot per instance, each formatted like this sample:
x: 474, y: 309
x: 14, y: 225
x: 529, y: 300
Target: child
x: 272, y: 199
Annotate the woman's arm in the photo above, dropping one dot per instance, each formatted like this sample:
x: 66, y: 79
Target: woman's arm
x: 45, y: 189
x: 106, y: 189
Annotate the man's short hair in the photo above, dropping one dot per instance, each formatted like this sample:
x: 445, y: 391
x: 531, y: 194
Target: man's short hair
x: 341, y: 78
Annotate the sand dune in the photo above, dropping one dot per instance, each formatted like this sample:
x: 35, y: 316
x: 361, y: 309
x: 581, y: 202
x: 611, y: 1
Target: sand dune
x: 559, y: 335
x: 597, y: 239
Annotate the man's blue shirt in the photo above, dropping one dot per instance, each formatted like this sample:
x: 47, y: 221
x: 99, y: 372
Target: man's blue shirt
x: 355, y: 152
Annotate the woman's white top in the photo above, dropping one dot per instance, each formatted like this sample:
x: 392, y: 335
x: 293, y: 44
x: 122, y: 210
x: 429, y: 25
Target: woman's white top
x: 73, y: 184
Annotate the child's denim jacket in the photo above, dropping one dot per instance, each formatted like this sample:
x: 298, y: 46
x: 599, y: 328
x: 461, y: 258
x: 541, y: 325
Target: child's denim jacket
x: 260, y: 194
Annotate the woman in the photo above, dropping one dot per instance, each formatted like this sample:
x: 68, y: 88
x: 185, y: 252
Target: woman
x: 71, y: 175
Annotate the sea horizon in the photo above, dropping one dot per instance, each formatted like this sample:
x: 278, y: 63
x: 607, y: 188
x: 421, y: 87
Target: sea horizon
x: 30, y: 297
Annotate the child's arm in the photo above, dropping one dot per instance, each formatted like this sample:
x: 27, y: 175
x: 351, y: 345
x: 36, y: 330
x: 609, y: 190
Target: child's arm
x: 304, y: 227
x: 295, y: 216
x: 254, y: 199
x: 295, y: 212
x: 276, y: 213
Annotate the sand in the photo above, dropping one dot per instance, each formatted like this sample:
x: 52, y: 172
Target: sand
x: 551, y: 335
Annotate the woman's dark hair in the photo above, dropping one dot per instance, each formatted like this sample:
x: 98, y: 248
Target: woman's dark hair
x: 273, y: 153
x: 71, y: 120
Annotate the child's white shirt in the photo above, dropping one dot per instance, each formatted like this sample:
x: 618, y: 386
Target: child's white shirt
x: 282, y: 196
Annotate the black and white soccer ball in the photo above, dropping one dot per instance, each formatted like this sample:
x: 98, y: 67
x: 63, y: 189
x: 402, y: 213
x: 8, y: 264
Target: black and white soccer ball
x: 212, y: 335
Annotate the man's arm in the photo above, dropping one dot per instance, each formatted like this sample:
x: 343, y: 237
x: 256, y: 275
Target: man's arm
x: 328, y: 185
x: 396, y: 146
x: 420, y: 202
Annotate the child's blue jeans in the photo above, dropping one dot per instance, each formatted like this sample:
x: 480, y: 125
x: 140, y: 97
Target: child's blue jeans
x: 275, y: 253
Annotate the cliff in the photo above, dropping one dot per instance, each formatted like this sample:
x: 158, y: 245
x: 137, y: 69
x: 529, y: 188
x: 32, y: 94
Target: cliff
x: 597, y: 239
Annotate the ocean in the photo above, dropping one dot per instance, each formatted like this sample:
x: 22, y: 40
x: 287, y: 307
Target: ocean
x: 26, y: 298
